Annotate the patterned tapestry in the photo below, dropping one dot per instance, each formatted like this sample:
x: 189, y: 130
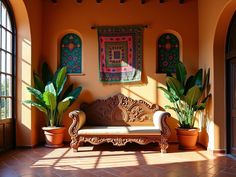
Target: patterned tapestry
x: 120, y: 53
x: 168, y: 53
x: 71, y: 50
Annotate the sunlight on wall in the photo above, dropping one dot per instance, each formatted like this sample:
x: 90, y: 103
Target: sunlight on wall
x: 26, y: 51
x: 162, y: 100
x: 210, y: 131
x: 26, y: 81
x: 145, y: 92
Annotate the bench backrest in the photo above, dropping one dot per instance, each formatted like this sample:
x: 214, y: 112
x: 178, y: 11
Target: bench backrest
x: 119, y: 110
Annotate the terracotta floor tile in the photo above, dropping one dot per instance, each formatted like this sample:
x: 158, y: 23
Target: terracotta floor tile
x: 109, y: 161
x: 207, y: 175
x: 229, y: 170
x: 102, y: 173
x: 8, y: 173
x: 223, y: 174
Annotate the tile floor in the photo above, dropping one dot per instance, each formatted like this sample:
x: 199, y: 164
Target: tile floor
x: 108, y: 161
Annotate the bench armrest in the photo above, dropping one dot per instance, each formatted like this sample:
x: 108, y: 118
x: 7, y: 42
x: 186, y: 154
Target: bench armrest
x: 159, y: 121
x: 79, y: 119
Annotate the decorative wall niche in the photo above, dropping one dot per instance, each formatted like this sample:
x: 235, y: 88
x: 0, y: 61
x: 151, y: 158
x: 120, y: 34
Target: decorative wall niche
x: 71, y: 53
x: 168, y: 53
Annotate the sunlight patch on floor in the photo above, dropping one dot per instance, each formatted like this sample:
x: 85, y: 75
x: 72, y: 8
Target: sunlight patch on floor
x: 86, y: 158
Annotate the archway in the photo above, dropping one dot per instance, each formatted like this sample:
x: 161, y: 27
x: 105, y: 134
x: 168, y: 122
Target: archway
x: 23, y: 76
x: 219, y: 73
x: 231, y: 86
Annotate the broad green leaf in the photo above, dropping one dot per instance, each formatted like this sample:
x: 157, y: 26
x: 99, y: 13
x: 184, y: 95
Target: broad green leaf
x: 62, y: 87
x: 170, y: 107
x: 46, y: 74
x: 63, y: 105
x: 206, y: 80
x: 61, y: 79
x: 175, y: 85
x: 174, y: 96
x: 168, y: 94
x: 38, y: 83
x: 193, y: 95
x: 181, y: 73
x: 50, y: 100
x: 37, y: 105
x: 75, y: 93
x: 36, y: 93
x: 55, y: 76
x: 50, y: 88
x: 189, y: 84
x: 198, y: 78
x: 67, y: 91
x: 199, y: 107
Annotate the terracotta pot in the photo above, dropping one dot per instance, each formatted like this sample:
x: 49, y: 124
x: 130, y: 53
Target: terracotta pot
x: 54, y: 136
x: 187, y: 138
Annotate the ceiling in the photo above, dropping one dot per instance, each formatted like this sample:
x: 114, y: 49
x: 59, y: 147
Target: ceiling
x: 122, y: 1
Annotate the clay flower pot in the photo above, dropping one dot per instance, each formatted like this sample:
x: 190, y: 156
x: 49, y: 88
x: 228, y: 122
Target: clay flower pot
x: 54, y: 136
x: 187, y: 138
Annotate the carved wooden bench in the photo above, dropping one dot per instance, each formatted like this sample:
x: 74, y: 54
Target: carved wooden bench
x: 119, y: 120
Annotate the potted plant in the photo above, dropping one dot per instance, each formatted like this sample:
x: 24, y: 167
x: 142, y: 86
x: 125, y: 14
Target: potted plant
x: 188, y: 96
x: 51, y: 97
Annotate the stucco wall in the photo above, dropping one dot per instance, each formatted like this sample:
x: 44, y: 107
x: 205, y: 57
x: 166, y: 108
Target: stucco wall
x: 69, y: 16
x: 28, y: 15
x: 214, y: 19
x: 41, y: 25
x: 200, y: 25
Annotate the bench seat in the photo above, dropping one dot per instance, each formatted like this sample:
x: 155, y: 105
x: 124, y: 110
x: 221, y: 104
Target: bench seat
x: 119, y: 130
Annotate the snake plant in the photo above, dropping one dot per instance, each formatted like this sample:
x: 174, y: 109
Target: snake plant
x: 50, y: 95
x: 187, y: 95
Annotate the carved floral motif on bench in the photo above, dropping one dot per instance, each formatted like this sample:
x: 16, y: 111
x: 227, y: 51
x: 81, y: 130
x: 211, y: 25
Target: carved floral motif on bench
x: 119, y: 110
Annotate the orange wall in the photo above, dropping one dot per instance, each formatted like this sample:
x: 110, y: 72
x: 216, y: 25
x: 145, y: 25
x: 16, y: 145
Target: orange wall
x: 34, y: 9
x: 200, y: 25
x: 69, y: 16
x: 214, y: 19
x: 23, y: 124
x: 28, y: 16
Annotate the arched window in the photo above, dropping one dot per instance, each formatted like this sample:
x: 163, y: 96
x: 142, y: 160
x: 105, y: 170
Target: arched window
x: 7, y: 64
x: 168, y: 53
x: 7, y: 75
x: 71, y: 53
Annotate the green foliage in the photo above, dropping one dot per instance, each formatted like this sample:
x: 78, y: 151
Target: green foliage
x: 188, y: 96
x: 50, y: 95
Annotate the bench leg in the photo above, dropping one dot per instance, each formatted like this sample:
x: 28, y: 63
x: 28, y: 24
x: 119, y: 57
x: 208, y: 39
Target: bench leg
x: 76, y: 146
x: 163, y: 151
x: 163, y: 145
x: 75, y: 149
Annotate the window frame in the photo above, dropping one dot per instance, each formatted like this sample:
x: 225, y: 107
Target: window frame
x: 9, y: 11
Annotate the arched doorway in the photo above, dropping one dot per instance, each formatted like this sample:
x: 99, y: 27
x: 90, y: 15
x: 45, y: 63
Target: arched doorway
x: 231, y: 86
x: 219, y: 127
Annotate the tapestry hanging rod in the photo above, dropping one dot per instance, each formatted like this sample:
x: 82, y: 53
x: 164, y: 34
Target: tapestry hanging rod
x: 95, y: 26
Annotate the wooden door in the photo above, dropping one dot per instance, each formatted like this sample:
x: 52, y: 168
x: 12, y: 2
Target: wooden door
x: 231, y: 106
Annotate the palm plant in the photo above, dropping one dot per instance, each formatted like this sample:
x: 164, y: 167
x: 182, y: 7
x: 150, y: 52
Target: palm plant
x: 49, y: 94
x: 188, y: 96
